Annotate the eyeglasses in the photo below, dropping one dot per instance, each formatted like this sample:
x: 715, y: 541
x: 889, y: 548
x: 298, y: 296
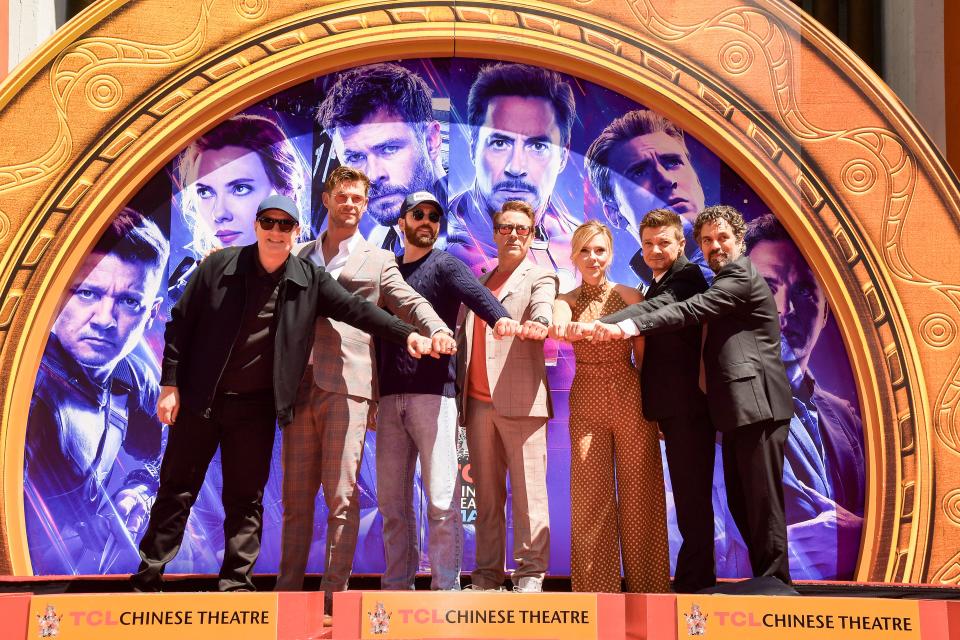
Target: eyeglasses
x: 522, y: 230
x: 419, y: 215
x: 285, y: 225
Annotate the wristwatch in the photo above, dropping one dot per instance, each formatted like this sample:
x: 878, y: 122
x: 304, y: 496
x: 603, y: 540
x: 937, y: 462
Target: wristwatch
x: 542, y: 321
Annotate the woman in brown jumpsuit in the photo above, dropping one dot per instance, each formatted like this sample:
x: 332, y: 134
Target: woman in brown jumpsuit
x: 617, y: 503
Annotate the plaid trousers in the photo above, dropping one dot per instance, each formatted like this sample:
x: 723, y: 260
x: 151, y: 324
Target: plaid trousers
x: 322, y: 447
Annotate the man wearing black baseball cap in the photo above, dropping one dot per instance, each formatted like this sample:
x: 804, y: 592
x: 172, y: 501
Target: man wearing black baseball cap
x: 418, y: 412
x: 234, y: 356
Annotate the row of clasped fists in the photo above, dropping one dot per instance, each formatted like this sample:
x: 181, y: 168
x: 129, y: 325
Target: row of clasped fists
x: 444, y: 344
x: 574, y: 331
x: 527, y: 330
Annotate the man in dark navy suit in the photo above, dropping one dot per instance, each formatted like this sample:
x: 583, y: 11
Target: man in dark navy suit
x: 748, y: 394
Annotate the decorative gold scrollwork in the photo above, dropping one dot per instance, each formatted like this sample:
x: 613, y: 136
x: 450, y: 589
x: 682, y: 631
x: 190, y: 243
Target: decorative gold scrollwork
x: 946, y: 418
x: 104, y: 91
x: 938, y: 330
x: 251, y: 9
x: 858, y: 176
x: 736, y: 58
x: 951, y: 506
x: 84, y: 64
x: 949, y: 573
x: 4, y: 225
x: 777, y: 42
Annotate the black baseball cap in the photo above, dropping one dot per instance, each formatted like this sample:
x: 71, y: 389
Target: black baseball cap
x: 419, y: 197
x: 278, y: 202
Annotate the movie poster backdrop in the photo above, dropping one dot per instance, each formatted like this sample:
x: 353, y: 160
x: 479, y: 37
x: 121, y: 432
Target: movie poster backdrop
x: 94, y: 445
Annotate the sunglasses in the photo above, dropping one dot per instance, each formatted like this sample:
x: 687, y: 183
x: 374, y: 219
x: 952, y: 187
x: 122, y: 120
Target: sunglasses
x: 285, y: 225
x: 522, y: 230
x: 419, y: 215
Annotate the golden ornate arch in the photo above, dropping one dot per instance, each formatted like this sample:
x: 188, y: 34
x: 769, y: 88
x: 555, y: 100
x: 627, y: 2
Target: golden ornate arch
x: 119, y: 90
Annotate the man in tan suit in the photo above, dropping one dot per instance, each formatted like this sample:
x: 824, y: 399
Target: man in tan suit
x: 323, y: 446
x: 505, y: 404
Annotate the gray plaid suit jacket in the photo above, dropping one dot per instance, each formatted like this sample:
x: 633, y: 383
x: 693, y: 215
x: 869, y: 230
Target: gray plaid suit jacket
x: 343, y: 356
x: 515, y: 368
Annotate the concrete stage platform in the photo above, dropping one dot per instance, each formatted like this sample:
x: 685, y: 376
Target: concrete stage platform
x: 102, y: 608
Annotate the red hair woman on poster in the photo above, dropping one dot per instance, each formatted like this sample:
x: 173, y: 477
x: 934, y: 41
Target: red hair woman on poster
x: 228, y: 171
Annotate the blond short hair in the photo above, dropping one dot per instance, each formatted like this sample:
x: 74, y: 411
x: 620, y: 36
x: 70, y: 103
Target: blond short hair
x: 586, y: 232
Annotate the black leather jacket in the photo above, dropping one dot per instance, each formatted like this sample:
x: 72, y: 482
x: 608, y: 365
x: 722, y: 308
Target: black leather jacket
x: 205, y: 322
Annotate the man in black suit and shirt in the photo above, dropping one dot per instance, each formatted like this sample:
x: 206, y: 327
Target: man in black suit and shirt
x: 748, y: 394
x: 669, y: 380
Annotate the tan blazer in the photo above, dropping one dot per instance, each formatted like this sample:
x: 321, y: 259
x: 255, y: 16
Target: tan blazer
x: 344, y: 360
x: 515, y: 367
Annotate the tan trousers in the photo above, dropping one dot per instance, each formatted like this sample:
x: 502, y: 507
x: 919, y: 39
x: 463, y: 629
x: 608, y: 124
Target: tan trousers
x: 519, y: 445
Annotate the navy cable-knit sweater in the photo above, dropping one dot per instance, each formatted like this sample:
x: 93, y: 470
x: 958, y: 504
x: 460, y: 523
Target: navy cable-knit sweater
x: 445, y: 282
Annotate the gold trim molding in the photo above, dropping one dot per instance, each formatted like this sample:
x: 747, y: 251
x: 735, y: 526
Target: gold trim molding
x: 105, y: 103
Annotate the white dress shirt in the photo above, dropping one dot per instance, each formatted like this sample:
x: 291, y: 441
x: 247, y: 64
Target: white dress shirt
x: 338, y: 261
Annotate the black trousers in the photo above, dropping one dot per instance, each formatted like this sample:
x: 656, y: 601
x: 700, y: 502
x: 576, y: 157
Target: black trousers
x: 243, y: 426
x: 690, y: 445
x: 753, y: 473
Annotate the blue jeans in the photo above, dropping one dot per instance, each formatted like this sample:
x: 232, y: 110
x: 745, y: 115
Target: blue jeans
x: 424, y: 425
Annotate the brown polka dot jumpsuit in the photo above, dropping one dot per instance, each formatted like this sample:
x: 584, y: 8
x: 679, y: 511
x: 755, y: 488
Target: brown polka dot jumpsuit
x: 617, y: 503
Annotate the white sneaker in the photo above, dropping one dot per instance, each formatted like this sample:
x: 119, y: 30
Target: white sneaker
x: 529, y: 584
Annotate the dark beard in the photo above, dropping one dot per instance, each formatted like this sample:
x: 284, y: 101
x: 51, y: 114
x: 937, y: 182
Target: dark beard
x: 718, y: 260
x: 417, y: 241
x: 421, y: 180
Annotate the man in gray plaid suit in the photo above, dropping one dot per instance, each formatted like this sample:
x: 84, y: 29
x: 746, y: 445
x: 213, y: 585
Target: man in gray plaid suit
x: 505, y: 404
x: 323, y: 446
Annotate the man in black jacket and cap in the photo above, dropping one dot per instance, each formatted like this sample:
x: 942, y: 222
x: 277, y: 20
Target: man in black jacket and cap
x: 236, y: 348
